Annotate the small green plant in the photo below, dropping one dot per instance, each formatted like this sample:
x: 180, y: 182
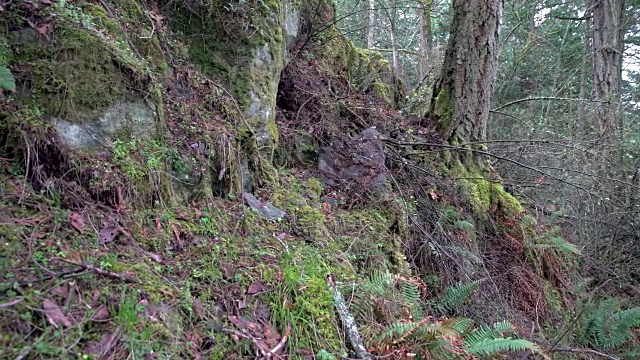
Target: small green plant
x: 207, y: 227
x: 7, y: 81
x: 605, y: 325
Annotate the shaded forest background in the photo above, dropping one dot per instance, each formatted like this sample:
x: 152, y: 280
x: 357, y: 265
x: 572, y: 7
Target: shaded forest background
x: 274, y: 179
x: 546, y: 128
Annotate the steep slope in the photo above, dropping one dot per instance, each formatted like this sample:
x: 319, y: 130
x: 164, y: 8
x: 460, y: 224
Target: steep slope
x: 137, y: 129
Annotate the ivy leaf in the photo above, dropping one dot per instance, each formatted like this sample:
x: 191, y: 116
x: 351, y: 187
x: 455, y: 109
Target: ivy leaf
x: 7, y: 81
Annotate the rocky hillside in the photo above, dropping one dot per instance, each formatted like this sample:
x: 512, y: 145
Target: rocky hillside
x: 202, y: 179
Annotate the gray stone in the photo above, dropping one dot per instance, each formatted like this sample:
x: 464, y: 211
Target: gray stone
x: 135, y: 118
x: 263, y: 208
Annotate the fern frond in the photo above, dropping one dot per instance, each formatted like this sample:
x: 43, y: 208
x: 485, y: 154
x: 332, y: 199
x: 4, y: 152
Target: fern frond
x: 488, y: 347
x: 411, y: 294
x: 604, y: 326
x: 564, y: 246
x: 484, y: 332
x: 380, y: 283
x: 464, y: 225
x: 631, y: 355
x: 455, y: 295
x: 461, y: 325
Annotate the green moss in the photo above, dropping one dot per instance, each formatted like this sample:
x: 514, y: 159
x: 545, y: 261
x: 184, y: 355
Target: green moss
x: 553, y: 297
x: 482, y: 193
x: 443, y: 112
x: 309, y: 301
x: 5, y: 52
x: 315, y: 188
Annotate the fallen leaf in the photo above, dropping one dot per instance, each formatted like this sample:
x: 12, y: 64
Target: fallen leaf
x: 182, y: 215
x: 62, y: 290
x: 198, y: 308
x: 155, y: 16
x: 154, y: 257
x: 108, y: 234
x: 101, y: 314
x: 158, y: 223
x: 54, y: 314
x: 228, y: 271
x: 102, y: 347
x: 256, y: 288
x: 77, y: 221
x: 242, y: 304
x: 176, y: 232
x: 44, y: 30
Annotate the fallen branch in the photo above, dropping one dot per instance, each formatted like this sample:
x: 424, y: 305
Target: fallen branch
x: 280, y: 345
x: 588, y: 351
x: 266, y: 353
x: 88, y: 266
x: 348, y: 321
x: 12, y: 302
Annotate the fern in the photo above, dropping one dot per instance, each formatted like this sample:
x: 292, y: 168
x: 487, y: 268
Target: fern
x: 454, y: 296
x: 498, y: 330
x: 488, y: 347
x: 490, y: 340
x: 559, y: 244
x: 462, y: 325
x: 465, y: 225
x: 411, y: 294
x: 7, y: 81
x: 388, y: 298
x: 604, y: 326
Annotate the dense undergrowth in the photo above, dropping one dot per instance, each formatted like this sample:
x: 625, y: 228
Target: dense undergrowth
x: 142, y: 247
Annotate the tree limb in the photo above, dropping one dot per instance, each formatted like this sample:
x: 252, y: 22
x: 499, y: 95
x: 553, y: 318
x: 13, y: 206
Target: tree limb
x: 589, y: 351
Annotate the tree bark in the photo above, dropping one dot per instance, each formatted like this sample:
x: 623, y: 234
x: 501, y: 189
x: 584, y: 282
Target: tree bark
x: 372, y: 24
x: 461, y: 97
x: 426, y: 39
x: 607, y: 44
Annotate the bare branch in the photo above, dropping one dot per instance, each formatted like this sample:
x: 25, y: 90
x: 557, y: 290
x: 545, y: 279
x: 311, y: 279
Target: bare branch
x: 542, y: 98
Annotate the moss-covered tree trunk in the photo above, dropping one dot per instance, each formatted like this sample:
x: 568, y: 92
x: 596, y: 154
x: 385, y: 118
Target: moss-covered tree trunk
x: 461, y: 97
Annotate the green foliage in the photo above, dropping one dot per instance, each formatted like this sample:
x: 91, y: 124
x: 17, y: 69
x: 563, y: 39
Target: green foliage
x: 552, y: 240
x: 454, y: 296
x: 444, y: 338
x: 489, y: 347
x: 490, y: 340
x: 604, y: 325
x: 484, y: 332
x: 7, y: 81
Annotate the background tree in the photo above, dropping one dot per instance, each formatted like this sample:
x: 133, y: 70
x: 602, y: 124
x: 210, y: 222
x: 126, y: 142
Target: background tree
x: 608, y: 29
x: 462, y: 95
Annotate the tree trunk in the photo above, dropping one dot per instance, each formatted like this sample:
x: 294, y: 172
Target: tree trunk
x: 583, y: 123
x: 608, y: 32
x: 426, y: 41
x: 461, y: 97
x: 392, y: 35
x: 372, y: 24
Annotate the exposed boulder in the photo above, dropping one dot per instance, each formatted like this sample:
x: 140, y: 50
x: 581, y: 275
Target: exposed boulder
x: 134, y: 118
x: 356, y: 164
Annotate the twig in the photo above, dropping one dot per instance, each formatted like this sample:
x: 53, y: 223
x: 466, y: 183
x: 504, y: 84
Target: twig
x: 280, y: 345
x: 12, y: 302
x: 542, y: 98
x: 348, y: 321
x: 244, y: 335
x: 97, y: 270
x: 589, y: 351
